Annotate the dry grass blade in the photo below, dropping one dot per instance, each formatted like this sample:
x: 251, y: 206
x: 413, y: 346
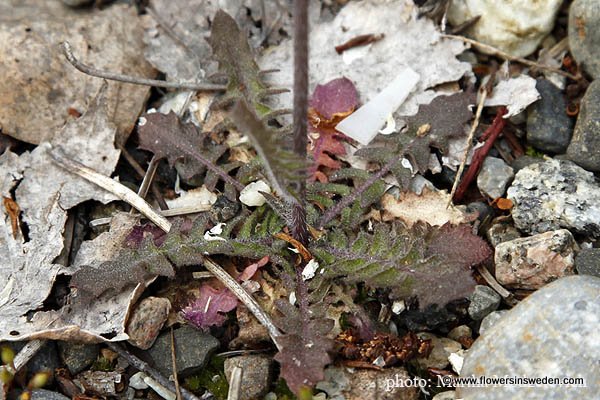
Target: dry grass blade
x: 112, y: 186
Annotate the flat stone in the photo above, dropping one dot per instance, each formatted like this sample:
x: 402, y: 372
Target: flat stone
x: 137, y: 381
x: 146, y: 321
x: 491, y: 320
x: 549, y: 128
x: 494, y: 176
x: 515, y: 26
x: 555, y: 194
x: 584, y: 148
x: 501, y: 232
x: 587, y: 262
x: 534, y: 261
x: 584, y: 36
x: 77, y: 356
x: 484, y: 300
x: 192, y: 347
x: 552, y: 333
x: 256, y: 376
x: 441, y: 348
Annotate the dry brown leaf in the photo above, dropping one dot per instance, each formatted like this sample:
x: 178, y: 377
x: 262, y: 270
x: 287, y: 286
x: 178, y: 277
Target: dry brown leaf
x: 40, y: 90
x: 429, y: 207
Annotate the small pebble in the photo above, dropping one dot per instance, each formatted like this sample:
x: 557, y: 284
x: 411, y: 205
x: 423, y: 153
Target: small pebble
x: 442, y: 348
x: 484, y: 300
x: 256, y: 374
x: 493, y: 177
x: 137, y: 381
x: 499, y: 233
x: 146, y: 321
x: 549, y: 128
x: 460, y: 332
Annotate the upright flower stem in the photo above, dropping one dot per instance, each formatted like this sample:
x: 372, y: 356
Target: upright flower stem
x: 299, y: 230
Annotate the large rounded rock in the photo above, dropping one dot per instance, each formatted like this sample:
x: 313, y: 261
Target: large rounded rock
x: 584, y: 35
x: 515, y: 26
x: 553, y: 333
x: 584, y: 148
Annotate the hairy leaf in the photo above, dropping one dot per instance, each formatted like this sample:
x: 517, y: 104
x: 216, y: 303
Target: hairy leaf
x: 305, y: 348
x: 432, y: 263
x: 167, y: 137
x: 281, y: 166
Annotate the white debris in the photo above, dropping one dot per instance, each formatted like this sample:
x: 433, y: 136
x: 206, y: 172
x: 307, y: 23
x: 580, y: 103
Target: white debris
x: 213, y: 233
x: 398, y: 306
x: 310, y: 269
x: 364, y: 124
x: 200, y: 198
x: 456, y: 360
x: 250, y: 195
x: 293, y: 298
x: 514, y: 93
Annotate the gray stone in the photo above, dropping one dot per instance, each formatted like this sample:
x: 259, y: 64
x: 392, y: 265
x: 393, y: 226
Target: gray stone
x: 524, y: 161
x: 584, y: 148
x: 587, y: 262
x: 43, y: 394
x: 555, y: 194
x: 137, y: 381
x: 256, y: 376
x: 484, y: 300
x: 45, y: 360
x: 499, y: 233
x: 549, y: 127
x: 146, y: 320
x: 494, y: 176
x: 460, y: 331
x: 441, y: 348
x: 491, y: 320
x: 77, y: 356
x: 448, y: 395
x: 552, y: 333
x: 584, y: 36
x: 534, y: 261
x: 193, y: 349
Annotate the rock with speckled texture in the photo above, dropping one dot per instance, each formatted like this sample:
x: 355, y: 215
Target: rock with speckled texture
x: 552, y: 333
x: 555, y: 194
x: 534, y: 261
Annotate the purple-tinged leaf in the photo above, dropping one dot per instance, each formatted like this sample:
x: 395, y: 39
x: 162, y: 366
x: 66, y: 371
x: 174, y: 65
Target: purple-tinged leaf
x: 209, y: 308
x: 335, y: 98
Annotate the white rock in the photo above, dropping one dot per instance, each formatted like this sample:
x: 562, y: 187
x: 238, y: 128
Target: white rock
x: 514, y: 93
x: 495, y: 175
x: 137, y: 381
x: 250, y: 195
x: 514, y: 26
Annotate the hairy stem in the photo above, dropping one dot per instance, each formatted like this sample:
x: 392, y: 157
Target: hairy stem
x: 300, y: 231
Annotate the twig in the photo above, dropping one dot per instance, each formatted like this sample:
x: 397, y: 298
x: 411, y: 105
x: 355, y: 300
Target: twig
x: 506, y: 295
x: 148, y: 176
x: 144, y: 367
x: 68, y: 52
x: 469, y: 144
x: 490, y: 136
x: 173, y: 212
x: 140, y: 171
x: 495, y: 51
x: 112, y: 186
x: 346, y: 201
x: 235, y: 384
x: 244, y: 297
x: 174, y: 364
